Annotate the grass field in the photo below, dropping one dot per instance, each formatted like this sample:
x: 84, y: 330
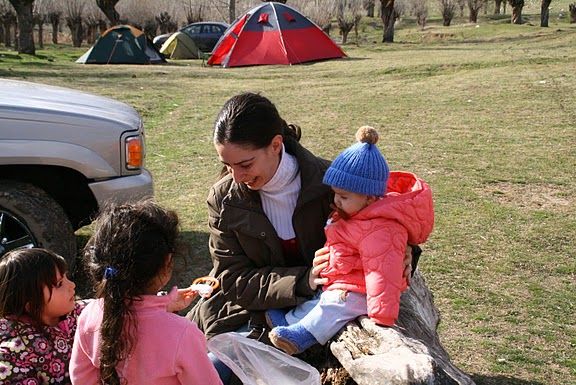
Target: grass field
x: 485, y: 114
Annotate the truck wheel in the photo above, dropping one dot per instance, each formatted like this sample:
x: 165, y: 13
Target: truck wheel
x: 31, y: 218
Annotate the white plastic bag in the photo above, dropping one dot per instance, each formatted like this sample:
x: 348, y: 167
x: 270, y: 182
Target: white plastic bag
x: 256, y: 363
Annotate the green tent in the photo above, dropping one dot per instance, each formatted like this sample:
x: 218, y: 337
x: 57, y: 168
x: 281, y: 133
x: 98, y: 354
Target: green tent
x: 180, y: 46
x: 122, y: 44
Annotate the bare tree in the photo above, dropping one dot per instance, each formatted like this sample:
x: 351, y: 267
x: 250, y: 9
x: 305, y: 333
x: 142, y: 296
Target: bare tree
x: 24, y: 15
x: 54, y: 14
x: 474, y: 7
x: 165, y: 23
x: 93, y: 22
x: 348, y: 17
x: 388, y: 19
x: 108, y: 7
x: 321, y: 12
x: 461, y: 6
x: 8, y: 18
x: 420, y: 10
x: 228, y: 9
x: 232, y: 10
x: 194, y: 10
x: 369, y: 6
x: 448, y: 9
x: 497, y: 6
x: 544, y: 12
x: 517, y: 6
x: 74, y: 10
x: 40, y: 17
x: 572, y: 9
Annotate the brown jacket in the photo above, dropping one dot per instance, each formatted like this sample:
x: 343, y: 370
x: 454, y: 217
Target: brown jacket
x: 247, y: 253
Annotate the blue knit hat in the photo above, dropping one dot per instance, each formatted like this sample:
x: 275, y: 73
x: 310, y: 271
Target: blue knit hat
x: 360, y: 168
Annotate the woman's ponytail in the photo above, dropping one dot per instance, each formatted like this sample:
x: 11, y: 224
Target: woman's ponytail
x: 293, y: 131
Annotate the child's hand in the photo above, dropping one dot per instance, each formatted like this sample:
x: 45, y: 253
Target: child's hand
x: 320, y: 262
x: 407, y: 263
x: 183, y: 299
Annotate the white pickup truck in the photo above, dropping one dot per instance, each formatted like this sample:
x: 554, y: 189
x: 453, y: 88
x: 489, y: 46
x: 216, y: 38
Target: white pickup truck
x: 64, y: 154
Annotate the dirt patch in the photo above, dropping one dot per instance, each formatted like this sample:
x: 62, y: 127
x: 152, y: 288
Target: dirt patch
x: 531, y: 196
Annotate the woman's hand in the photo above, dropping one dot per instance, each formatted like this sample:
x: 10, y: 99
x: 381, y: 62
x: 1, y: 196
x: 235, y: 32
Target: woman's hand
x: 319, y: 263
x: 407, y: 263
x: 182, y: 300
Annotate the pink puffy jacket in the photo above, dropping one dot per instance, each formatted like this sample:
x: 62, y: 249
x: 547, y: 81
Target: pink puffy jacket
x: 367, y: 250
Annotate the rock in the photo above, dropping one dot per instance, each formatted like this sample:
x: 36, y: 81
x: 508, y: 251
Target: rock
x: 408, y: 353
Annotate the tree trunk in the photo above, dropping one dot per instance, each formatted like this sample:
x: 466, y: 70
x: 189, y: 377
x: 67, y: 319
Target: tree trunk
x: 408, y: 353
x: 91, y: 32
x: 76, y: 29
x: 447, y: 9
x: 388, y: 18
x: 461, y: 6
x: 102, y: 26
x: 54, y: 18
x: 39, y: 19
x: 572, y: 9
x: 497, y: 5
x: 473, y: 17
x: 41, y: 35
x: 7, y: 34
x: 517, y: 14
x: 232, y: 11
x: 370, y: 5
x: 25, y: 25
x: 544, y: 12
x: 108, y: 7
x: 421, y: 21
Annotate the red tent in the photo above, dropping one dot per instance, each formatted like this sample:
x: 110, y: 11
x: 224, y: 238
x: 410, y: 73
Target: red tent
x: 273, y: 33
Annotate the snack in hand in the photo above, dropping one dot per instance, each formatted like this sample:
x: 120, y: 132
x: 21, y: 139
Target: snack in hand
x: 205, y: 285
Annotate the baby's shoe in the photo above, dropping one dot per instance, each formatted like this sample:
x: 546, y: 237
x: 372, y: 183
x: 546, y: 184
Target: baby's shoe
x: 292, y: 339
x: 276, y: 317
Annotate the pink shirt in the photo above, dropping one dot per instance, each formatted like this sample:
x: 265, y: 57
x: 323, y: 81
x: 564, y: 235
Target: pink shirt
x: 168, y: 349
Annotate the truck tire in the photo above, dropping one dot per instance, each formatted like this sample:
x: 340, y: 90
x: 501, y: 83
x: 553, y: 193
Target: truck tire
x: 31, y: 218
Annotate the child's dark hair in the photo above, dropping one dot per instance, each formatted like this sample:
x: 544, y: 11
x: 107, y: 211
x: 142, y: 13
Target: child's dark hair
x: 23, y: 275
x: 123, y: 256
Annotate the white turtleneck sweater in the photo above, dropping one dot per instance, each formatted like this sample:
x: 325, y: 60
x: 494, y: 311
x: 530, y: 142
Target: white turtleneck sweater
x: 280, y: 194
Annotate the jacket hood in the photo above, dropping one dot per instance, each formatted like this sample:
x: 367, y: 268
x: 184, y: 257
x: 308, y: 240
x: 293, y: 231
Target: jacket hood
x: 408, y: 200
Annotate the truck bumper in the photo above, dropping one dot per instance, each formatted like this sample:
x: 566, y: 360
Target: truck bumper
x: 124, y: 189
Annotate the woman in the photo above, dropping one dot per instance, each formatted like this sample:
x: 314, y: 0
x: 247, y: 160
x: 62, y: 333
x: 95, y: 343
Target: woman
x: 266, y: 217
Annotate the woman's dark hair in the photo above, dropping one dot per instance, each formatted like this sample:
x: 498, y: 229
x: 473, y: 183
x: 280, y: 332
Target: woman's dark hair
x: 251, y: 119
x: 125, y: 253
x: 23, y: 275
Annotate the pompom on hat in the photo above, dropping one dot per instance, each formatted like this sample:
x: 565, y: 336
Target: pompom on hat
x: 360, y: 168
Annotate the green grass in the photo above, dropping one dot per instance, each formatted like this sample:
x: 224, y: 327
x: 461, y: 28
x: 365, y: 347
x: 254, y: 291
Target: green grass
x: 485, y: 114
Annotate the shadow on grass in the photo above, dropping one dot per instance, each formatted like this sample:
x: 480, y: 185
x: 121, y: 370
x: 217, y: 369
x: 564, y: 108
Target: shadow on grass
x: 501, y: 380
x: 63, y: 73
x: 193, y: 262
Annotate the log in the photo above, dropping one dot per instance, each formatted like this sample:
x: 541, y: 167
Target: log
x: 408, y: 353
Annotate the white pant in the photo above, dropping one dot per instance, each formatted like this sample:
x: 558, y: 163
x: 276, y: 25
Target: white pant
x: 327, y: 312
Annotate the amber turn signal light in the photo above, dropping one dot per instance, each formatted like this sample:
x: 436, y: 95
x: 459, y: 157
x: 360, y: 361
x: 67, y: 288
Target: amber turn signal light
x: 134, y: 152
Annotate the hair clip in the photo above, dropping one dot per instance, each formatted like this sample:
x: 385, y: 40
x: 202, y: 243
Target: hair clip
x: 110, y: 272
